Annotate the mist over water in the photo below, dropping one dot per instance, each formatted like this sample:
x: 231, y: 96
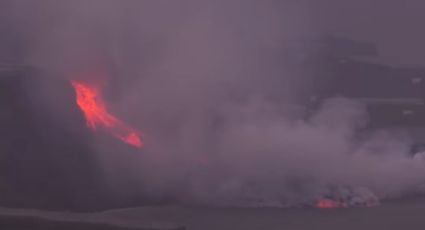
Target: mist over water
x: 207, y: 84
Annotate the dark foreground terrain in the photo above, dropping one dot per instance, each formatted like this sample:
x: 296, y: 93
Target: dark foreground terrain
x: 405, y: 214
x: 36, y: 223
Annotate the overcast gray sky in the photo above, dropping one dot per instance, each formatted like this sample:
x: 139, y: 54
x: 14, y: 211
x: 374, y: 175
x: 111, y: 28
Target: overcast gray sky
x: 396, y: 25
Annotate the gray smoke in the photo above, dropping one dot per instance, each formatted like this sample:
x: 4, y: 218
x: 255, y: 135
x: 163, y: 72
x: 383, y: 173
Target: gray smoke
x: 207, y: 83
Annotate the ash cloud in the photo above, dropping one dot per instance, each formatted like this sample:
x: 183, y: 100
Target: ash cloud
x: 207, y: 84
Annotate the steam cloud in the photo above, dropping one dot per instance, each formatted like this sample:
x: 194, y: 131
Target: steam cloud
x: 208, y: 85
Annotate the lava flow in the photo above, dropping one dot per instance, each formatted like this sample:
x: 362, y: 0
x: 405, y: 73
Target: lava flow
x: 328, y: 203
x: 89, y: 99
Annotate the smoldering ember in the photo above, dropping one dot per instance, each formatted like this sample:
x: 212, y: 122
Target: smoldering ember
x: 208, y: 115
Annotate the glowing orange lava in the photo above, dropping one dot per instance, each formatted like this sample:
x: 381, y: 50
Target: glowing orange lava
x: 89, y: 99
x: 328, y: 203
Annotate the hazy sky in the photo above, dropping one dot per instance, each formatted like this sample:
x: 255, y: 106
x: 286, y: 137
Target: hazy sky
x: 396, y: 25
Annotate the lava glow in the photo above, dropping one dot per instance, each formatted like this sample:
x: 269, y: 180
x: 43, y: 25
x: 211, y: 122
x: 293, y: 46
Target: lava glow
x: 89, y: 99
x: 328, y: 203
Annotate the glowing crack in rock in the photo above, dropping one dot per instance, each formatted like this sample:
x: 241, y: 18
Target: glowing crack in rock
x: 89, y: 99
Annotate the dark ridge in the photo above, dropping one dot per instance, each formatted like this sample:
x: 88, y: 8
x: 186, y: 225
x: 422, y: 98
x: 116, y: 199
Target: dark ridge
x: 36, y: 223
x: 47, y: 159
x: 394, y: 96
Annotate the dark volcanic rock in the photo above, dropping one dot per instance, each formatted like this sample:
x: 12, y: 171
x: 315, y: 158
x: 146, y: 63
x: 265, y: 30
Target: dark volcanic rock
x: 34, y: 223
x: 45, y: 159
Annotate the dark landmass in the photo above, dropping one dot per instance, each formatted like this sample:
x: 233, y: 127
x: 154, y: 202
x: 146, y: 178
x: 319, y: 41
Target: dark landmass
x: 35, y: 223
x: 47, y: 155
x: 394, y: 96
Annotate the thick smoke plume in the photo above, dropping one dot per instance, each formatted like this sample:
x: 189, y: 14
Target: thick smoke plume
x: 208, y: 84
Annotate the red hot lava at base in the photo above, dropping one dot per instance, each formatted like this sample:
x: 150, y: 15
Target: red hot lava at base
x: 328, y: 203
x: 89, y: 99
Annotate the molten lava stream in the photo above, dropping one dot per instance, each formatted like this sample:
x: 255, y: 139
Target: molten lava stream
x: 89, y: 99
x: 328, y: 203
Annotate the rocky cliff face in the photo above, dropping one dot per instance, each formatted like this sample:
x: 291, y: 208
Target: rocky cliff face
x: 45, y: 160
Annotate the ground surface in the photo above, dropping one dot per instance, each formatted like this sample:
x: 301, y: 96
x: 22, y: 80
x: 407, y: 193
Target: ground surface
x: 35, y: 223
x: 407, y: 214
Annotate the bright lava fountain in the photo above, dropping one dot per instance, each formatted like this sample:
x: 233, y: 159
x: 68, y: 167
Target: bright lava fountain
x: 89, y: 99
